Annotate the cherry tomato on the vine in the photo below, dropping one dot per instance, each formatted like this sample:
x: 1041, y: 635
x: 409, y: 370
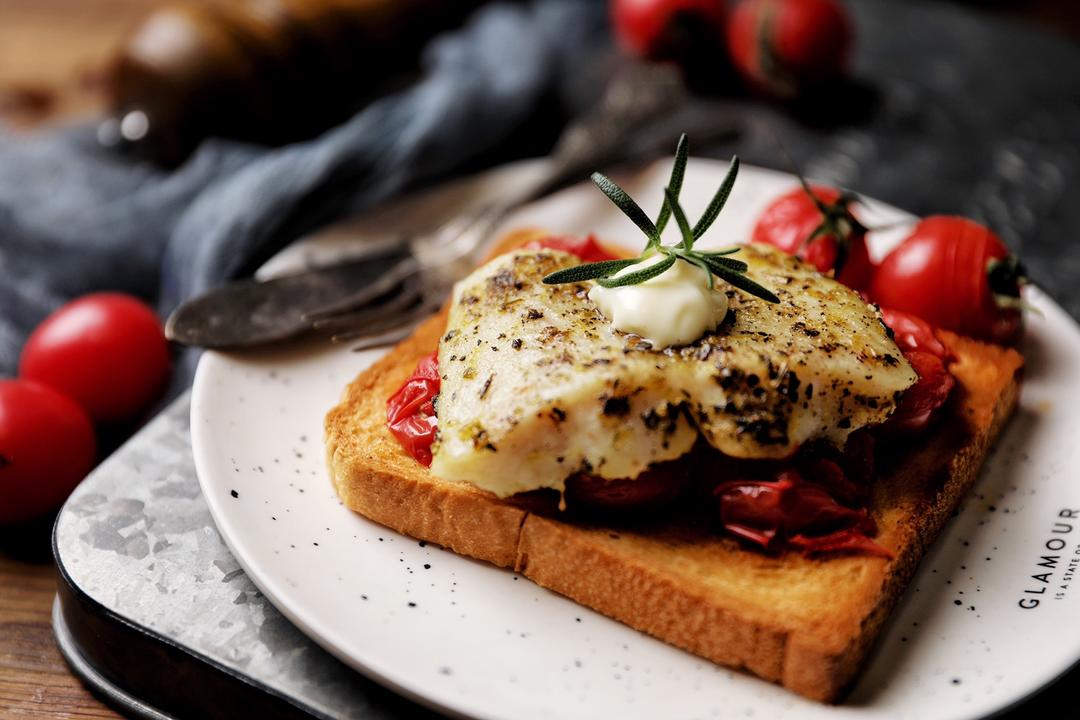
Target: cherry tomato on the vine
x: 821, y: 229
x: 661, y: 29
x: 956, y: 274
x: 46, y: 447
x: 784, y: 46
x: 106, y: 351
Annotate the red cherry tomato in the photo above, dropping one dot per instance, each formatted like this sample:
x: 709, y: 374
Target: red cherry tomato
x: 106, y: 351
x: 587, y: 248
x: 410, y: 412
x: 659, y: 29
x: 930, y: 359
x: 46, y: 448
x: 790, y: 512
x: 784, y: 46
x: 921, y: 401
x: 914, y: 333
x: 956, y: 274
x: 822, y: 231
x: 657, y: 486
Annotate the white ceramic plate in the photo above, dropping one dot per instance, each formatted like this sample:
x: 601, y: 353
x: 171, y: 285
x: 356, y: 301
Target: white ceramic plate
x: 477, y: 641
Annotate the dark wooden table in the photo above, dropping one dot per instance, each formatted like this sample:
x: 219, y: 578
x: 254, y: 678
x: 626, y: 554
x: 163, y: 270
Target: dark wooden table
x: 50, y: 55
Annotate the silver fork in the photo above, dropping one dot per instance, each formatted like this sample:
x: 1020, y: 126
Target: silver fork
x: 388, y: 309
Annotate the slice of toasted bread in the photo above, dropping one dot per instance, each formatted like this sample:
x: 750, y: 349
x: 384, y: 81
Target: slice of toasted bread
x: 806, y: 624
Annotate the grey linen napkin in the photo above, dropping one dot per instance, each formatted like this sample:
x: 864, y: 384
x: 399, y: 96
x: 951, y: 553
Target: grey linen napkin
x: 75, y: 218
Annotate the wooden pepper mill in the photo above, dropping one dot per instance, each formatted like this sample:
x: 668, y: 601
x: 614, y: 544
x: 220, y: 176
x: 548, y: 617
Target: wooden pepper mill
x: 265, y: 71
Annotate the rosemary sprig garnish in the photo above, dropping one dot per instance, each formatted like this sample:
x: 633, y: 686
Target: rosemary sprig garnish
x: 713, y: 263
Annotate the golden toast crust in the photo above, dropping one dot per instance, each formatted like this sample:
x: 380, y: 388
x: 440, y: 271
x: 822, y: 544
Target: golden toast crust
x: 806, y: 624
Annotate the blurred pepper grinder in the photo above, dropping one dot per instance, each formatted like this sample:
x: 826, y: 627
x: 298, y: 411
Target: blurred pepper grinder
x: 265, y: 71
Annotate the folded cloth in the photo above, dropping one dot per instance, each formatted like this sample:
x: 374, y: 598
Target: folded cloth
x: 75, y: 218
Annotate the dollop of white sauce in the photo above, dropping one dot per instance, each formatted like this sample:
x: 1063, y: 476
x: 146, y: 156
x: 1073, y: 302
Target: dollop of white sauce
x: 674, y: 308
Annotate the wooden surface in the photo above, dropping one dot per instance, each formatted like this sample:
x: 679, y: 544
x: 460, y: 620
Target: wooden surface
x: 34, y: 680
x: 50, y: 55
x: 51, y: 52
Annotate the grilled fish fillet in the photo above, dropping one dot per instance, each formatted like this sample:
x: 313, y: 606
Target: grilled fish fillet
x: 536, y: 386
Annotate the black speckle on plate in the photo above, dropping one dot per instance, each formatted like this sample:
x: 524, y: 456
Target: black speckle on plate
x: 234, y: 493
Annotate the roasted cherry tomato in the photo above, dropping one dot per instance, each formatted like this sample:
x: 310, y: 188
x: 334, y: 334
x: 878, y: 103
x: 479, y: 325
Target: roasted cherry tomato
x: 829, y: 474
x: 652, y: 489
x: 410, y: 412
x: 914, y: 333
x: 587, y: 248
x: 956, y: 274
x: 921, y: 401
x: 784, y: 46
x: 662, y: 29
x: 106, y: 351
x: 845, y: 473
x: 788, y: 511
x: 46, y: 448
x: 816, y: 224
x: 930, y: 359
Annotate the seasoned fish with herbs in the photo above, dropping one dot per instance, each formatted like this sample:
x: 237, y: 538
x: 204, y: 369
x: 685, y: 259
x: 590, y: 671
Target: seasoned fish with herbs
x: 537, y: 386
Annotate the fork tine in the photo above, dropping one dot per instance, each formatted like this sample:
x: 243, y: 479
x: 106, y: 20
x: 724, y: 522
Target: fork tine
x: 410, y: 291
x: 385, y: 338
x: 396, y: 275
x: 387, y: 324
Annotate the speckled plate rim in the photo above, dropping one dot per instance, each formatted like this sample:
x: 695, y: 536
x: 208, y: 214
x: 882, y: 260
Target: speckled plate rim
x: 1058, y: 330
